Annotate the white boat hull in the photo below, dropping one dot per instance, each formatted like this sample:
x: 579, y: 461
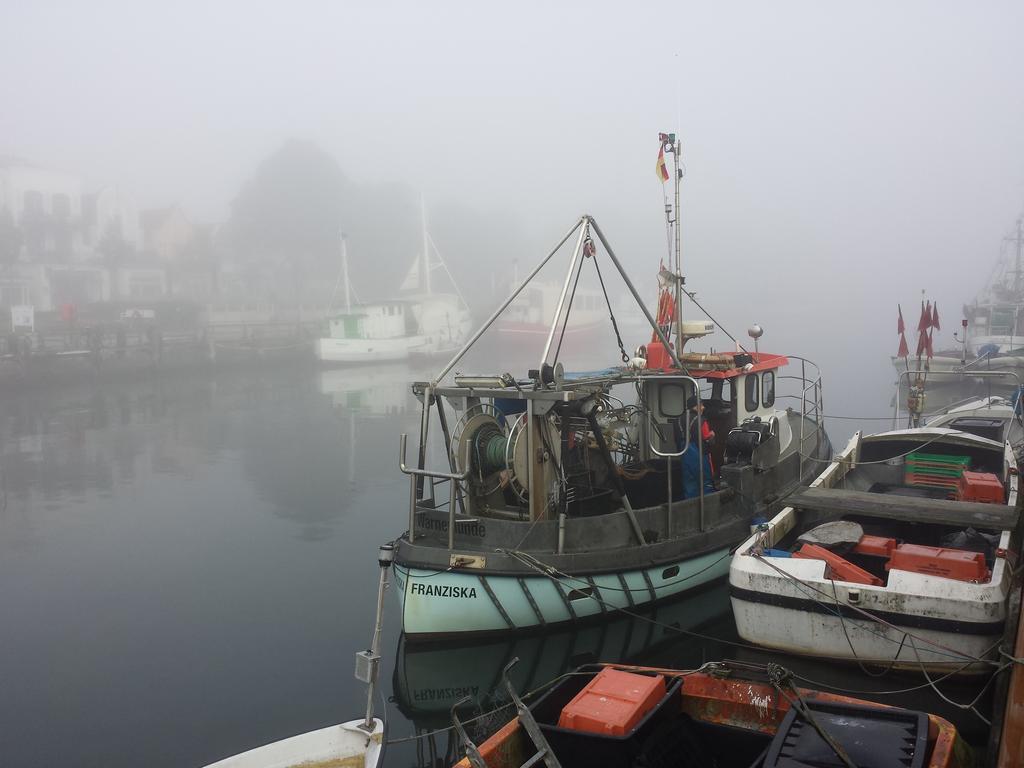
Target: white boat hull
x: 460, y: 603
x: 347, y: 744
x: 330, y: 350
x: 913, y: 619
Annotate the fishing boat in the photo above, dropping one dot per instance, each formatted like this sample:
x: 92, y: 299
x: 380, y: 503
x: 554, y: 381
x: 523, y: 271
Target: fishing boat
x: 899, y: 554
x: 992, y: 329
x: 528, y: 319
x: 419, y: 323
x: 572, y: 494
x: 992, y: 416
x: 717, y: 715
x: 355, y: 743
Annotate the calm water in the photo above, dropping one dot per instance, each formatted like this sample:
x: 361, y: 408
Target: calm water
x: 188, y: 565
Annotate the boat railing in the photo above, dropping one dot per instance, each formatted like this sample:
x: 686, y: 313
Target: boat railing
x: 812, y: 406
x: 1012, y: 380
x: 454, y: 477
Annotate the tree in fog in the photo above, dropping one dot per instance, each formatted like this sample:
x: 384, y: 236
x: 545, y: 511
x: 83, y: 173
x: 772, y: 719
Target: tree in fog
x: 286, y: 225
x: 287, y: 219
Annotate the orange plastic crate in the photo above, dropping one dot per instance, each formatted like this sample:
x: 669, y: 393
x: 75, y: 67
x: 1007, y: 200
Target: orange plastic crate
x: 981, y: 486
x: 613, y: 703
x: 879, y: 546
x: 935, y: 561
x: 841, y: 569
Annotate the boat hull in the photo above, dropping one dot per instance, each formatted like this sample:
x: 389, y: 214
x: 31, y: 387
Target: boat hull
x: 330, y: 350
x: 436, y: 604
x: 808, y: 630
x: 345, y: 744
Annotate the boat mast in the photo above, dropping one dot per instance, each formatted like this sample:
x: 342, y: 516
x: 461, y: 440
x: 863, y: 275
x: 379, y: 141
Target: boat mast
x: 1019, y: 240
x: 344, y: 273
x: 676, y: 145
x: 425, y: 257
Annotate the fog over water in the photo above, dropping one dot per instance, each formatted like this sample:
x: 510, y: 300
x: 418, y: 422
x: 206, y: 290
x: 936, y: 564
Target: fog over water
x: 838, y: 158
x: 185, y: 563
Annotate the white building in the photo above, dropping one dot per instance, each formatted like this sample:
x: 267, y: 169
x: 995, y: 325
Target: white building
x: 47, y: 206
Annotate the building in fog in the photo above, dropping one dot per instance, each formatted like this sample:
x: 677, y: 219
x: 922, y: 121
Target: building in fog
x: 61, y: 244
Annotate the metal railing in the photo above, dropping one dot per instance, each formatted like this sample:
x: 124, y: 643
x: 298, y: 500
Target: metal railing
x: 960, y: 373
x: 668, y: 456
x: 812, y: 406
x: 413, y: 473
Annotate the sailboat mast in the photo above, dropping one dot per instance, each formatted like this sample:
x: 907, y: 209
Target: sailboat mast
x: 344, y: 272
x: 1020, y: 240
x: 425, y: 257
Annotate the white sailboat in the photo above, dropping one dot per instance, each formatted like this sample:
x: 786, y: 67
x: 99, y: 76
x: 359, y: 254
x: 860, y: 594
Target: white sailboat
x: 417, y: 323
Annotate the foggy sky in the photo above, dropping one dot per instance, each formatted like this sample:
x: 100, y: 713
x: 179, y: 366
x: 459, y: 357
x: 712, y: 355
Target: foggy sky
x: 839, y: 158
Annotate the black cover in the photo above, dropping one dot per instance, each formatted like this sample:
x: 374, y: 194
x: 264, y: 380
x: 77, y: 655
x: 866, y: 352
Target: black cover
x: 873, y: 737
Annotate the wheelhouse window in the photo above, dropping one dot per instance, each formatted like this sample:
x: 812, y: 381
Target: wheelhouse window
x: 768, y: 389
x: 673, y: 400
x: 751, y: 392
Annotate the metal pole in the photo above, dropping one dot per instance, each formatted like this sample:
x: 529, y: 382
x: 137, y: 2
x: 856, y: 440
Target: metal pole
x: 473, y: 339
x: 384, y: 558
x: 574, y: 266
x: 636, y: 296
x: 424, y: 429
x: 679, y: 253
x: 668, y: 464
x: 412, y: 496
x: 451, y: 514
x: 700, y: 457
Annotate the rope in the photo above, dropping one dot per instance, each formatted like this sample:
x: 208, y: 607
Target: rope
x: 713, y: 320
x: 898, y: 455
x: 608, y: 303
x: 781, y: 678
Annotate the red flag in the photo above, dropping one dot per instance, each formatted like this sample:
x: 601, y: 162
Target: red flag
x: 900, y: 327
x: 935, y: 317
x: 925, y: 321
x: 922, y: 343
x: 928, y: 346
x: 904, y: 350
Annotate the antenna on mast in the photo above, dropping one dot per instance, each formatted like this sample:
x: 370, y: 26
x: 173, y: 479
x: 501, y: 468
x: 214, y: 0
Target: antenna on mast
x: 672, y: 145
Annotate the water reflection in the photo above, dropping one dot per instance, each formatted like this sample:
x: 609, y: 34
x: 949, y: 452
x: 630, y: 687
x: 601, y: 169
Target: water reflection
x: 430, y: 678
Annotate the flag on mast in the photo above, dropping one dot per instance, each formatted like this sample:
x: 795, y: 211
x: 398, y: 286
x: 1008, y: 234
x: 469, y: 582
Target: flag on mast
x: 935, y: 317
x: 661, y: 169
x: 904, y: 350
x: 923, y: 324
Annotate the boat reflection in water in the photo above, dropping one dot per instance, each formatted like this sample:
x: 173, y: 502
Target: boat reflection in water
x: 430, y: 678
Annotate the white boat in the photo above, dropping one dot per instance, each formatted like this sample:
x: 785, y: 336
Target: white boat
x: 528, y: 319
x: 419, y: 323
x: 875, y: 563
x: 352, y: 744
x: 346, y: 744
